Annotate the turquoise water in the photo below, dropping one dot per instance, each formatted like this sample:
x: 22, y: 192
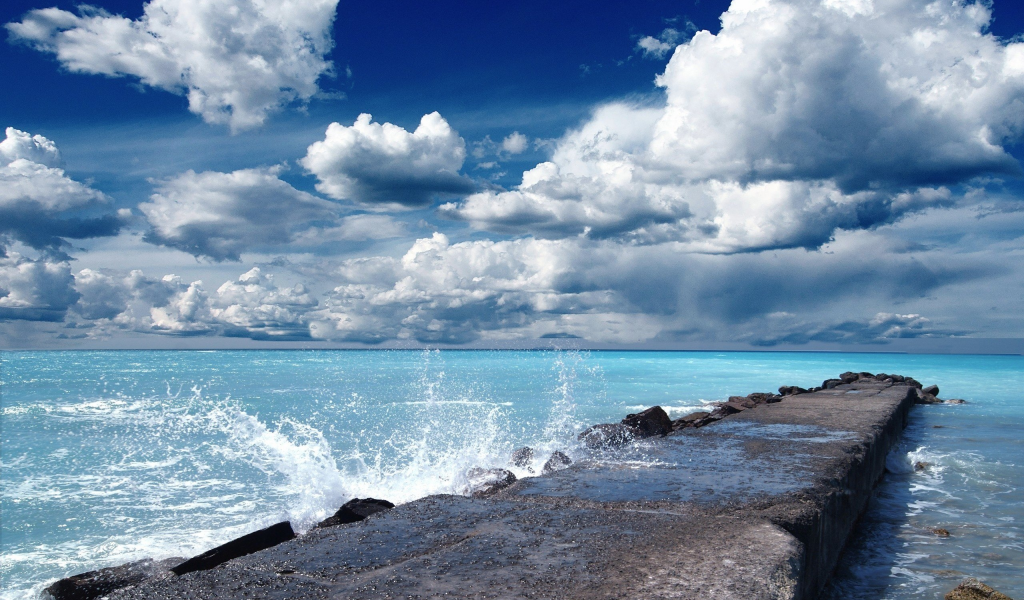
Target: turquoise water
x: 112, y: 456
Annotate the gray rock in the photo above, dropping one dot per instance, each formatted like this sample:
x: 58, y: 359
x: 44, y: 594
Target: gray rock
x: 649, y: 423
x: 924, y: 397
x: 690, y: 420
x: 557, y: 462
x: 95, y: 584
x: 522, y: 457
x: 487, y: 482
x: 247, y: 544
x: 355, y: 510
x: 607, y: 435
x: 972, y: 589
x: 956, y: 401
x: 932, y: 389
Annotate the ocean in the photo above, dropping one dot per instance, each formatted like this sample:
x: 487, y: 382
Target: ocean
x: 112, y: 456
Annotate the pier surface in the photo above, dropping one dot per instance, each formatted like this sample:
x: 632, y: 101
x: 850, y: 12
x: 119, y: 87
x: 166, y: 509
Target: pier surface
x: 757, y: 505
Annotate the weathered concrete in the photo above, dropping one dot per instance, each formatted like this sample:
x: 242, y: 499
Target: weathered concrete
x: 758, y: 505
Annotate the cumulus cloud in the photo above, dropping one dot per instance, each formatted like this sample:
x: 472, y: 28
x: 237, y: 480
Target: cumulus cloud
x: 385, y: 167
x: 251, y: 306
x: 515, y: 143
x: 235, y: 60
x: 221, y: 215
x: 797, y: 119
x: 39, y: 203
x: 35, y: 290
x: 440, y: 292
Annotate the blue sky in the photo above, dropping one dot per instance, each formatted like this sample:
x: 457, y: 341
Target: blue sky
x: 797, y: 174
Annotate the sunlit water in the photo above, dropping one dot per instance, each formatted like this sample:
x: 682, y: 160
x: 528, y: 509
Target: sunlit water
x: 112, y: 456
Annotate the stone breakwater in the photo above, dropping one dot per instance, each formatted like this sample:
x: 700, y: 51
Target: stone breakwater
x: 759, y: 505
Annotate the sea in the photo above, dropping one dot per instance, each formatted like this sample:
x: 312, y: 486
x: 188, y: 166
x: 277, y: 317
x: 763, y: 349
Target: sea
x: 113, y: 456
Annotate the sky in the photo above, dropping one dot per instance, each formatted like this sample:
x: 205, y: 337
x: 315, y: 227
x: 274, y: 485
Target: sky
x: 697, y: 174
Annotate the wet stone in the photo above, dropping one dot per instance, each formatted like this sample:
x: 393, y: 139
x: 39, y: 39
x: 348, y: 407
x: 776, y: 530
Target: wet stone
x: 972, y: 589
x: 557, y: 462
x: 522, y: 457
x: 355, y: 510
x: 487, y: 482
x: 96, y: 584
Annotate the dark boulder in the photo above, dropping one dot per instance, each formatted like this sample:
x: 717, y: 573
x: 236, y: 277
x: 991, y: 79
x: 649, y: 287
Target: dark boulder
x: 95, y: 584
x: 829, y: 384
x: 689, y: 420
x: 932, y: 389
x: 913, y: 382
x: 791, y: 390
x: 486, y: 482
x: 972, y: 589
x: 522, y: 457
x: 649, y: 423
x: 247, y: 544
x: 763, y: 398
x: 607, y: 435
x: 355, y: 510
x: 897, y: 378
x: 557, y: 462
x: 956, y: 401
x: 850, y: 377
x: 924, y: 397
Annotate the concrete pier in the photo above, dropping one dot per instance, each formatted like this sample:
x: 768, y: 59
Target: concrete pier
x: 757, y: 505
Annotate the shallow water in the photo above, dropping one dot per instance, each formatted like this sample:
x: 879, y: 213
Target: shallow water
x: 112, y: 456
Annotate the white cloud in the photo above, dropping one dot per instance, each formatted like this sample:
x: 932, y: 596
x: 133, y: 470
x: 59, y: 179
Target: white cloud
x: 236, y: 60
x: 38, y: 200
x: 670, y: 37
x: 35, y: 290
x: 383, y: 166
x: 515, y: 143
x: 19, y: 145
x: 254, y: 307
x: 220, y: 215
x: 101, y: 296
x: 798, y: 118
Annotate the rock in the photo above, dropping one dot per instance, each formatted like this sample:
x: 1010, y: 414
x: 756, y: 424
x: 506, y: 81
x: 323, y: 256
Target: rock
x: 247, y: 544
x: 828, y: 384
x: 849, y: 377
x: 898, y: 378
x: 606, y: 435
x: 730, y: 408
x: 913, y: 382
x: 649, y: 423
x: 689, y: 420
x: 791, y: 390
x: 924, y: 397
x: 972, y: 589
x: 956, y: 401
x: 763, y: 398
x: 486, y: 482
x: 921, y: 465
x: 95, y: 584
x: 522, y: 458
x: 557, y: 462
x: 932, y: 389
x: 939, y: 531
x: 741, y: 401
x: 355, y: 510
